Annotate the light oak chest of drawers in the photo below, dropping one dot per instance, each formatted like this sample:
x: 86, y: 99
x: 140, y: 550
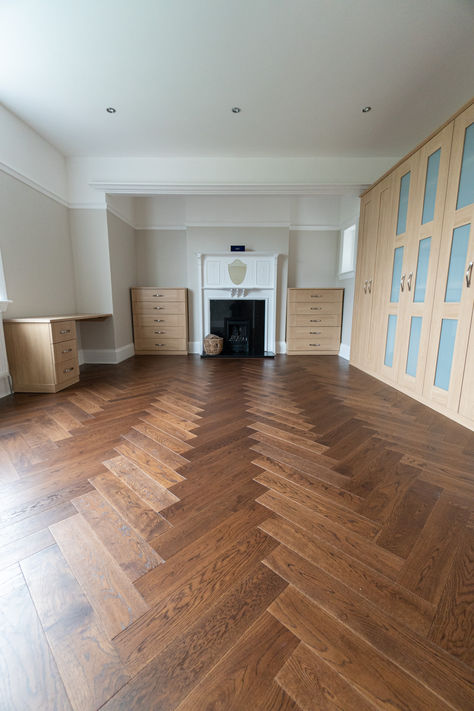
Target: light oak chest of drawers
x: 160, y: 320
x: 314, y: 318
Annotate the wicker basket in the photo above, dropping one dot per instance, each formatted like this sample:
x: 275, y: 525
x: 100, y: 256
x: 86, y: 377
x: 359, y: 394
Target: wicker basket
x: 213, y: 344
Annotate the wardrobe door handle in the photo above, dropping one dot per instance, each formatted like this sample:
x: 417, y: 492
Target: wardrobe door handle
x: 469, y: 274
x: 370, y: 286
x: 365, y: 286
x: 410, y: 277
x: 402, y: 283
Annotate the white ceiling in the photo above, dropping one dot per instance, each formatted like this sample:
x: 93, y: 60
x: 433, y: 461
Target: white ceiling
x: 300, y: 69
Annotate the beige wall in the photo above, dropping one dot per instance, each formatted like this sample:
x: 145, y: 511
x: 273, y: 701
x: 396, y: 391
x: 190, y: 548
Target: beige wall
x: 161, y: 258
x: 123, y: 269
x: 313, y: 258
x: 36, y: 250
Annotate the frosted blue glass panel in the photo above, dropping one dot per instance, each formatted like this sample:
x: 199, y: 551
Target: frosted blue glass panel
x: 403, y: 204
x: 390, y: 343
x: 431, y: 186
x: 466, y: 180
x: 422, y: 265
x: 414, y: 345
x: 396, y: 274
x: 445, y: 353
x: 457, y: 263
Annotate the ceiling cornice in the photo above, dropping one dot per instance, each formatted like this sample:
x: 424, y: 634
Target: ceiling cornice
x: 282, y: 189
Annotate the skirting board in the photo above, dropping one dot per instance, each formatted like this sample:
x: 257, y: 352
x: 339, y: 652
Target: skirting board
x: 106, y: 355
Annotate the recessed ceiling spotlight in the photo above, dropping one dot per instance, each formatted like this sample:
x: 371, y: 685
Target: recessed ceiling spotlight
x: 111, y: 110
x: 366, y: 109
x: 236, y: 109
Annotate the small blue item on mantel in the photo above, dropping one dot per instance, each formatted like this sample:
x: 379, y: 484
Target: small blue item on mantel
x: 237, y: 248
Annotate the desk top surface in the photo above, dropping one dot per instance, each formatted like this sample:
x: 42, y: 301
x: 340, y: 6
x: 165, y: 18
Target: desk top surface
x: 52, y: 319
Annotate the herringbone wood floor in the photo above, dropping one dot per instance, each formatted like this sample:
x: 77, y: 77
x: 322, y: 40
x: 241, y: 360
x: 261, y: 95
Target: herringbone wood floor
x: 234, y: 534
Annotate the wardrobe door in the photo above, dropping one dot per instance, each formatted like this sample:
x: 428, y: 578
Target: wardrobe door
x: 422, y: 259
x: 454, y: 296
x: 392, y: 269
x: 466, y: 406
x: 373, y: 225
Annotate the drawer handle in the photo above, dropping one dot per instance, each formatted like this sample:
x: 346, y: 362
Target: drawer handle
x: 158, y: 320
x: 157, y: 333
x: 67, y: 350
x: 315, y: 320
x: 68, y: 370
x: 469, y: 274
x: 160, y: 344
x: 316, y: 296
x: 65, y: 330
x: 158, y: 307
x: 314, y: 344
x: 315, y: 308
x: 315, y: 333
x: 158, y: 294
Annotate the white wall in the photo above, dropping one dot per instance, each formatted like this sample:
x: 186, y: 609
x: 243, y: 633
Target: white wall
x: 36, y: 250
x: 90, y: 244
x: 313, y: 258
x: 24, y: 153
x: 123, y: 270
x: 161, y: 258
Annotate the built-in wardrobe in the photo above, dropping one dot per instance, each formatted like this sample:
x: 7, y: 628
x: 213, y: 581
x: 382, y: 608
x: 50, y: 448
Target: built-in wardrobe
x: 413, y: 307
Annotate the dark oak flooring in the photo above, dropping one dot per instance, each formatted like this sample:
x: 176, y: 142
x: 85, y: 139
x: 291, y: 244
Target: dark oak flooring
x: 264, y: 535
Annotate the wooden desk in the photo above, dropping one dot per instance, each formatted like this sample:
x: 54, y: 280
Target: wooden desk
x: 42, y: 351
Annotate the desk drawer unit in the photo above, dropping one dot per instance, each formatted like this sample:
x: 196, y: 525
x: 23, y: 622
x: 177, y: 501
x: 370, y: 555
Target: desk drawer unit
x: 160, y: 320
x: 314, y: 318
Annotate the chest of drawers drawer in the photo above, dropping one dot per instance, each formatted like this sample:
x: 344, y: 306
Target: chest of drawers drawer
x: 310, y: 308
x: 62, y: 331
x: 315, y: 295
x: 157, y: 295
x: 159, y: 332
x: 305, y: 332
x: 160, y: 344
x: 64, y: 350
x: 149, y: 308
x: 312, y: 320
x: 67, y: 370
x: 159, y: 320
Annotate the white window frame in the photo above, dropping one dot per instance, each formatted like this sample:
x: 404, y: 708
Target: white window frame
x: 348, y: 273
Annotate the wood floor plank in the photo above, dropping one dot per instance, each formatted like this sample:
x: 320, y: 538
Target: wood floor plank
x: 453, y: 625
x: 21, y: 548
x: 181, y: 422
x: 315, y: 686
x: 176, y: 445
x: 160, y: 472
x: 88, y: 662
x: 350, y: 543
x: 165, y: 682
x: 405, y: 523
x: 134, y: 555
x: 163, y: 424
x: 374, y: 676
x: 156, y: 450
x: 148, y: 489
x: 426, y: 569
x: 298, y: 440
x: 109, y: 590
x: 29, y: 677
x: 244, y: 676
x: 423, y: 661
x: 146, y: 522
x: 386, y: 594
x: 315, y: 502
x: 314, y: 467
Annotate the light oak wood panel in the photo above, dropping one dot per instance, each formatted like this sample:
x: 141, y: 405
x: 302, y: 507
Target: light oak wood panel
x: 62, y: 331
x: 156, y: 294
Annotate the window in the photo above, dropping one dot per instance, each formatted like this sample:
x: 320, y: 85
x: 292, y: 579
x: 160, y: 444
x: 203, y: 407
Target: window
x: 347, y: 251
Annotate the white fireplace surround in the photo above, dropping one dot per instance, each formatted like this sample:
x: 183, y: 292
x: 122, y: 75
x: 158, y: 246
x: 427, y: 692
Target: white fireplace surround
x: 259, y: 283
